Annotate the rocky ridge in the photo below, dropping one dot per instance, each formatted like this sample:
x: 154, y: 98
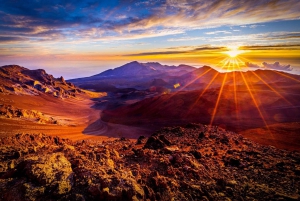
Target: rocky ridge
x: 9, y: 111
x: 15, y: 79
x: 195, y: 162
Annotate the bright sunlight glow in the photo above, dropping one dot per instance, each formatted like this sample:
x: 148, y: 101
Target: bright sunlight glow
x: 233, y: 51
x: 232, y: 62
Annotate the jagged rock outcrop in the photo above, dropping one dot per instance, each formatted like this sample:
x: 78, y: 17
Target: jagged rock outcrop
x: 8, y: 111
x: 15, y: 79
x: 195, y: 162
x: 51, y: 171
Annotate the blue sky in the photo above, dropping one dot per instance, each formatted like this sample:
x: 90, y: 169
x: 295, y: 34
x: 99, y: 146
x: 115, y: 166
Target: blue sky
x: 83, y: 38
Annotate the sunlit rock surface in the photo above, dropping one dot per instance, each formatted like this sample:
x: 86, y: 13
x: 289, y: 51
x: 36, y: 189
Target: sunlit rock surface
x: 194, y: 162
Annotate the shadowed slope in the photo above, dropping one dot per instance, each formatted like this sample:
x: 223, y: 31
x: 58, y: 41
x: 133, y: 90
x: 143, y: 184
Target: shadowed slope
x: 235, y: 100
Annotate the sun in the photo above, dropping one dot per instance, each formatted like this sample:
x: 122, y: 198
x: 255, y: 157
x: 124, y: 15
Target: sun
x: 233, y: 51
x: 233, y: 61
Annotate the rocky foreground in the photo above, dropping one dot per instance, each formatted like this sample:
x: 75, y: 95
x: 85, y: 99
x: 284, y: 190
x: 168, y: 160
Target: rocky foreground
x: 194, y: 162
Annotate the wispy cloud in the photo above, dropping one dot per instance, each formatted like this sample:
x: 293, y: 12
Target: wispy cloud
x: 253, y: 26
x: 58, y: 20
x: 11, y: 38
x: 137, y: 35
x: 272, y: 47
x: 217, y: 32
x: 186, y: 39
x: 267, y: 37
x: 185, y: 51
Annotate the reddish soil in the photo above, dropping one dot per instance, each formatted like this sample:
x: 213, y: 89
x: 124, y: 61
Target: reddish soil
x: 76, y: 117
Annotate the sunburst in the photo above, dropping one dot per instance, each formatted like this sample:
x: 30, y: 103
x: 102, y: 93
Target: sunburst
x: 232, y: 61
x: 234, y: 51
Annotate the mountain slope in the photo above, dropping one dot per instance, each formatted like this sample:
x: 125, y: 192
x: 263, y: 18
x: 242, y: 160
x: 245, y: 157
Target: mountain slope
x: 207, y: 75
x: 15, y: 79
x: 236, y: 100
x: 133, y: 75
x: 230, y: 106
x: 131, y: 69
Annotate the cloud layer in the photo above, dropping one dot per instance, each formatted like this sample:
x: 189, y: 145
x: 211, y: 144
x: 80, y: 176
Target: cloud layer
x: 54, y: 20
x: 179, y: 51
x: 275, y: 66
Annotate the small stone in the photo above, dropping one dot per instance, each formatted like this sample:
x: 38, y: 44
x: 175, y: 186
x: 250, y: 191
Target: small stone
x: 232, y: 183
x: 105, y: 190
x: 157, y: 142
x: 12, y: 164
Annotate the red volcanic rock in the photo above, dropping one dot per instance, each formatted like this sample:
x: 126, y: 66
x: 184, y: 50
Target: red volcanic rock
x: 174, y: 163
x: 157, y: 142
x: 8, y: 111
x: 19, y: 80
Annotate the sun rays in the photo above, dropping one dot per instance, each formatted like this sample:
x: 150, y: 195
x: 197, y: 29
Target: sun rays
x: 233, y: 81
x: 236, y: 94
x: 231, y: 64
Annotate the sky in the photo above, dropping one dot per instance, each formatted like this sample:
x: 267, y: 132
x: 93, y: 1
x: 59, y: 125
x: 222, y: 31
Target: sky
x: 82, y: 38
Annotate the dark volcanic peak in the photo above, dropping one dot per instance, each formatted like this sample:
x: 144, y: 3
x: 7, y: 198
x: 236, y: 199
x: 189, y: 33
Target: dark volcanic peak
x: 133, y: 75
x: 131, y: 69
x: 15, y: 79
x: 135, y: 68
x: 194, y: 162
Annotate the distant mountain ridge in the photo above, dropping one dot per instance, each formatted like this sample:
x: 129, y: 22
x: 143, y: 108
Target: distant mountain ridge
x: 151, y: 68
x: 133, y: 75
x: 144, y: 76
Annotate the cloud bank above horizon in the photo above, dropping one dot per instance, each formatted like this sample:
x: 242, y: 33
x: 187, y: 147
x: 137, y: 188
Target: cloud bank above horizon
x: 122, y: 20
x: 275, y: 66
